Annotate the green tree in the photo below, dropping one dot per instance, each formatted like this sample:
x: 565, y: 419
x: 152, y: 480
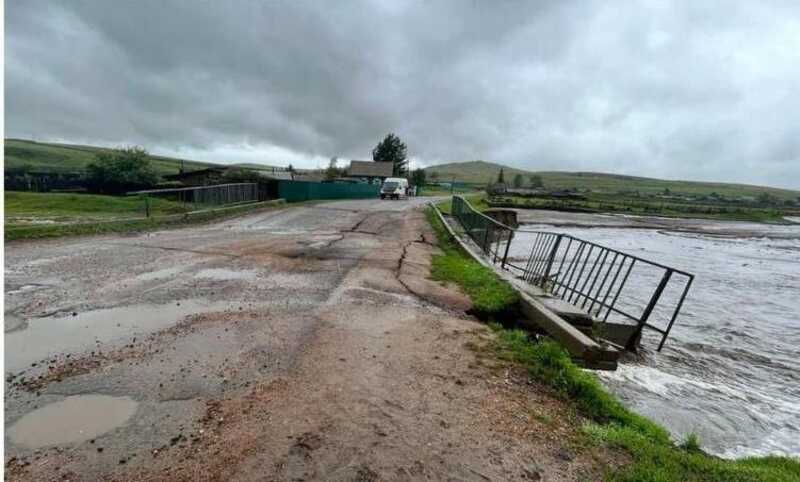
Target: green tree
x: 392, y: 149
x: 518, y: 181
x: 333, y: 171
x: 536, y: 181
x: 418, y: 177
x: 119, y: 170
x: 434, y: 176
x: 501, y: 177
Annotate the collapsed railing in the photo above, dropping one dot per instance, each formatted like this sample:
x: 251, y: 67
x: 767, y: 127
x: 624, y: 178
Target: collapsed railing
x: 558, y: 264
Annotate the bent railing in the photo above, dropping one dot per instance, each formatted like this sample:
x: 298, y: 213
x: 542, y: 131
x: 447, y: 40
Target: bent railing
x: 587, y: 275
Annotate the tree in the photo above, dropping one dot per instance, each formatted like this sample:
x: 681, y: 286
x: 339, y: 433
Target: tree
x: 119, y: 170
x: 501, y: 177
x: 418, y: 177
x: 434, y: 176
x: 392, y: 149
x: 332, y: 172
x: 518, y: 181
x: 536, y: 181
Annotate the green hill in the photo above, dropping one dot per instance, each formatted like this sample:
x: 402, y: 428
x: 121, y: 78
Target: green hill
x: 48, y: 157
x: 480, y: 172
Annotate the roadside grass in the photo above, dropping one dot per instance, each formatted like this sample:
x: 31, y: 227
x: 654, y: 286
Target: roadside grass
x: 654, y: 456
x: 14, y: 232
x: 76, y: 207
x: 490, y: 296
x: 478, y: 201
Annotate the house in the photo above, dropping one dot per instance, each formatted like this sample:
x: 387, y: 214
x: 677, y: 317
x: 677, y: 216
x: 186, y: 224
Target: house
x: 200, y: 177
x: 370, y: 170
x: 216, y: 175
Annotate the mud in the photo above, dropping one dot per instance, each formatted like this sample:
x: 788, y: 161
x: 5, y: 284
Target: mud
x: 332, y: 357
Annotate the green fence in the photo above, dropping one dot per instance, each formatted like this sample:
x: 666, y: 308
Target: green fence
x: 294, y: 191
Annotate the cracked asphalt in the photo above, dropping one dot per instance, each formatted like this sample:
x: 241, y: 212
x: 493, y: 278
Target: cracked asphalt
x: 305, y: 343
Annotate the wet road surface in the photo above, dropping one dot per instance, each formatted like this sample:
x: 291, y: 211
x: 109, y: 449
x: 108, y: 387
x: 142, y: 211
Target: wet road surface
x: 298, y: 344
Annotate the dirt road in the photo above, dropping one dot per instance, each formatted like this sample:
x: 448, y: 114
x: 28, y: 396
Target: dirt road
x: 300, y: 344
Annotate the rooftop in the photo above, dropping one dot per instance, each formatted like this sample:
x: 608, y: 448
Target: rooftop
x: 370, y: 169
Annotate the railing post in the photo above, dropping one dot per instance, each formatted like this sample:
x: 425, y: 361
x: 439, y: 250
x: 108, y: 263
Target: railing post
x: 551, y: 257
x: 631, y: 345
x: 508, y: 244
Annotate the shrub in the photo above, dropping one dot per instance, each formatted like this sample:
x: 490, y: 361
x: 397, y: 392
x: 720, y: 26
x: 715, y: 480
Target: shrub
x: 120, y: 170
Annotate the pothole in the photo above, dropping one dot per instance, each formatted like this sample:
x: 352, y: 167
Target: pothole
x: 35, y: 339
x: 72, y: 420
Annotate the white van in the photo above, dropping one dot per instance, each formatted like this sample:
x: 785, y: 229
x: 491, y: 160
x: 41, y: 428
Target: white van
x: 394, y: 188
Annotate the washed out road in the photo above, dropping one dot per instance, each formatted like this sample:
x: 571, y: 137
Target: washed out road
x: 305, y: 343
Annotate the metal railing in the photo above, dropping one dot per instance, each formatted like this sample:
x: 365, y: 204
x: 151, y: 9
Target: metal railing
x: 585, y: 274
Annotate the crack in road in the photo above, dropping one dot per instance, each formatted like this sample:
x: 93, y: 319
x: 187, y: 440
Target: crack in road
x: 185, y: 250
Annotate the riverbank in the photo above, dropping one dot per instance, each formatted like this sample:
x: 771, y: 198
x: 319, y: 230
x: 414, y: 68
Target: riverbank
x: 653, y: 456
x: 664, y: 206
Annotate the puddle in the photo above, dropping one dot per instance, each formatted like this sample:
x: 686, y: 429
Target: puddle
x: 13, y: 322
x: 223, y: 274
x: 44, y: 337
x: 72, y: 420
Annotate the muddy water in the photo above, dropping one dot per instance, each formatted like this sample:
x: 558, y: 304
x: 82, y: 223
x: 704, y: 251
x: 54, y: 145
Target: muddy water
x: 35, y: 339
x: 72, y: 420
x: 731, y: 369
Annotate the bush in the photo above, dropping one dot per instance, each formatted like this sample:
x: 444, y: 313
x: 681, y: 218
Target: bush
x: 121, y: 170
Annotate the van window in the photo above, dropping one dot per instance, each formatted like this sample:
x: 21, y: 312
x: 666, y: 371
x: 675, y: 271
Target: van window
x: 390, y: 185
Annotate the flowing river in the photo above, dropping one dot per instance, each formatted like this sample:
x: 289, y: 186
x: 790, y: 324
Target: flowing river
x: 730, y: 371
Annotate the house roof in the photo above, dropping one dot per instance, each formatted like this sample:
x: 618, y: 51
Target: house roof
x: 280, y: 175
x: 370, y: 169
x: 187, y: 174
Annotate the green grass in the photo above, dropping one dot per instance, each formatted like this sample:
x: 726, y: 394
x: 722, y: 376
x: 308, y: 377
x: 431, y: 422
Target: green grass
x: 49, y: 157
x: 480, y: 172
x: 478, y: 201
x: 654, y: 457
x: 490, y: 296
x: 26, y: 215
x: 62, y: 207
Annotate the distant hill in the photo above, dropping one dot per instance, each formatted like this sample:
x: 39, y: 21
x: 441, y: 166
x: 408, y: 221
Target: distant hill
x: 47, y: 157
x: 481, y: 172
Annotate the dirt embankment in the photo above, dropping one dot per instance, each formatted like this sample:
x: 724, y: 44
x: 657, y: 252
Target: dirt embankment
x: 388, y: 379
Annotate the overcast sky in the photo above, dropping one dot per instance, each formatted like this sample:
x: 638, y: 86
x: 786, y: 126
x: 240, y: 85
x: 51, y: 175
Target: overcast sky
x: 702, y: 90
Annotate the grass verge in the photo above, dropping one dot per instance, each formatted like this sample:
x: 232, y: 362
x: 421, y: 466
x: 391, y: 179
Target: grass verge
x: 478, y: 201
x: 654, y: 456
x: 14, y: 232
x: 60, y: 207
x: 490, y: 296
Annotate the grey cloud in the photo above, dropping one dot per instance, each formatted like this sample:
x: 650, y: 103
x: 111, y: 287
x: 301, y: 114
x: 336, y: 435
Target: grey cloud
x: 702, y: 90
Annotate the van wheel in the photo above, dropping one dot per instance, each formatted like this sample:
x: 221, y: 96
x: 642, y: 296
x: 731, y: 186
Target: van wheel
x: 383, y: 197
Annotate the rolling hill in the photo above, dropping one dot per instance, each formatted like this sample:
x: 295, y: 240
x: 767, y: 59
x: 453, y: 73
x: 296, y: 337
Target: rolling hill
x: 48, y: 157
x: 481, y: 172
